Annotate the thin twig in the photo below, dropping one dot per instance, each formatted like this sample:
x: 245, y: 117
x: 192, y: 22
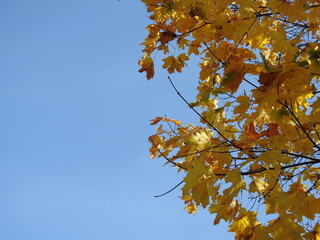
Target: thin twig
x: 274, y: 185
x: 203, y: 118
x: 263, y: 169
x: 171, y: 128
x: 161, y: 153
x: 299, y: 155
x: 314, y: 184
x: 299, y: 124
x: 195, y: 29
x: 213, y: 54
x: 169, y: 190
x: 197, y: 152
x: 243, y: 36
x: 250, y: 83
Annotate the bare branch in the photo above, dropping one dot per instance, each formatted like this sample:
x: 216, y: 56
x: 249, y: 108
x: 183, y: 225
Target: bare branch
x: 299, y: 124
x: 205, y: 120
x: 209, y: 49
x: 314, y: 184
x: 169, y: 190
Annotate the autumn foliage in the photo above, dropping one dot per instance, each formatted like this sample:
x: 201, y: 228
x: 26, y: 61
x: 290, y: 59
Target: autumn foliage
x: 255, y: 153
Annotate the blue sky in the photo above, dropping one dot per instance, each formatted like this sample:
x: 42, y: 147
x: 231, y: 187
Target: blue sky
x: 74, y: 125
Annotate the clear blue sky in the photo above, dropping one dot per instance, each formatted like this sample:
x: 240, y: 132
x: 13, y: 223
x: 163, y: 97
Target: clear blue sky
x: 74, y: 125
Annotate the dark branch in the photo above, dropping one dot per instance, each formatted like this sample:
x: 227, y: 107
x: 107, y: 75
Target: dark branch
x: 263, y: 169
x: 169, y: 190
x: 213, y: 54
x: 299, y: 124
x: 243, y: 36
x: 205, y: 120
x: 314, y: 184
x: 300, y: 156
x: 195, y: 29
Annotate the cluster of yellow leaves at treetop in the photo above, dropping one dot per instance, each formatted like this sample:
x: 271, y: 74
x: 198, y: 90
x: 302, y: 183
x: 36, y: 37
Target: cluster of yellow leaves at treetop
x: 213, y: 23
x: 215, y: 20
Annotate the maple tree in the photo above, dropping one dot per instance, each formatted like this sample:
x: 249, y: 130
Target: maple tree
x: 258, y: 140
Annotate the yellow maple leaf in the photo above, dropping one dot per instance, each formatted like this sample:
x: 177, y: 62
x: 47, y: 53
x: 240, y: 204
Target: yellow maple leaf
x: 258, y: 184
x: 200, y: 194
x: 285, y: 228
x: 244, y: 224
x: 244, y: 104
x: 173, y: 64
x: 147, y: 66
x: 191, y: 208
x: 235, y: 178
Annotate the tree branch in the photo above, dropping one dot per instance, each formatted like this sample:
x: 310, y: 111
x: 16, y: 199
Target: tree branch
x: 299, y: 124
x: 195, y: 29
x: 205, y: 120
x: 213, y: 54
x: 243, y: 36
x: 169, y: 190
x: 263, y: 169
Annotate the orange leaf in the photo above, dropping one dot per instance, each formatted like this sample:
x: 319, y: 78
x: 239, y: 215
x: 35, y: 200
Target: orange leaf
x: 155, y: 120
x: 158, y: 119
x: 251, y: 133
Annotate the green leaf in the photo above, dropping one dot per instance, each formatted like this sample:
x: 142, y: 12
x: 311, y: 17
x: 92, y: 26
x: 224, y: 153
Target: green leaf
x: 217, y: 91
x: 265, y: 62
x: 169, y: 7
x: 219, y: 110
x: 206, y: 95
x: 194, y: 104
x: 303, y: 64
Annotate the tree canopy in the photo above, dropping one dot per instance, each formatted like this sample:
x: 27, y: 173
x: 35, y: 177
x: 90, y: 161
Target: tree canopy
x: 255, y: 153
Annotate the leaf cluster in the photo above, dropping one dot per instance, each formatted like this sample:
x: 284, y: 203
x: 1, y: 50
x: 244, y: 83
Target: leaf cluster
x: 258, y: 106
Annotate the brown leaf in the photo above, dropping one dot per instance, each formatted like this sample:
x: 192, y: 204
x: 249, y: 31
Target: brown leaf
x: 166, y: 36
x: 266, y: 79
x: 272, y: 130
